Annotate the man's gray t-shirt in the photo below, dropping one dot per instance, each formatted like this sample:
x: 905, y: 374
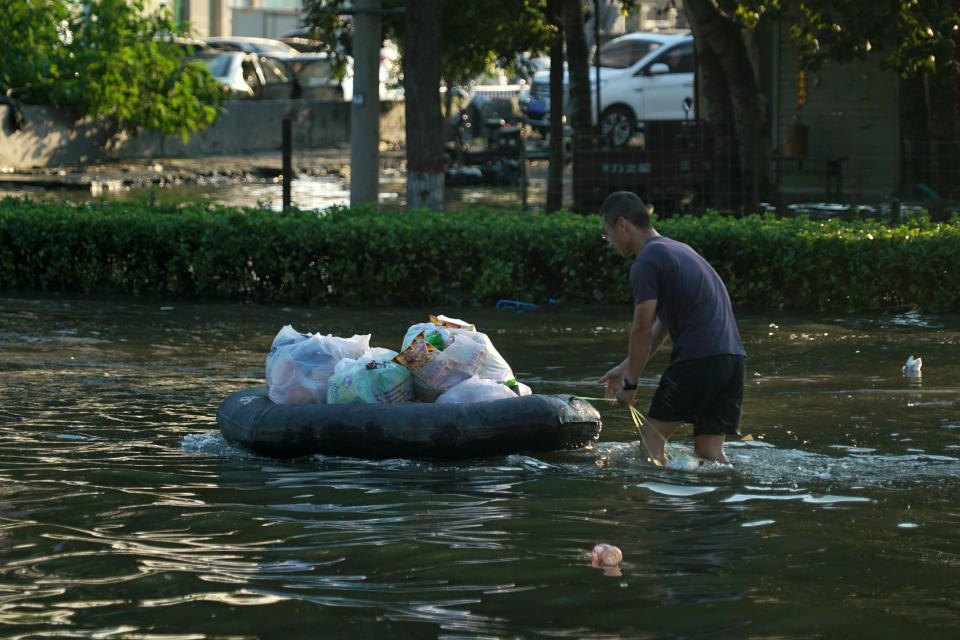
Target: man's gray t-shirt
x: 692, y: 301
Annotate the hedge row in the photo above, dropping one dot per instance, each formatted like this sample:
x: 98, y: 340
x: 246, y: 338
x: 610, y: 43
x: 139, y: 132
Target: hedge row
x: 364, y: 257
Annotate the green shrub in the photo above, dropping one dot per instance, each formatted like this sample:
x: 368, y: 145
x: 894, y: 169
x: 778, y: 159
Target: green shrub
x: 364, y: 257
x: 113, y: 60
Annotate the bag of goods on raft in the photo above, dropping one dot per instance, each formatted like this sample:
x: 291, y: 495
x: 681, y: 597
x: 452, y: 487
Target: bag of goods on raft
x: 475, y: 389
x: 520, y: 389
x: 373, y: 378
x: 299, y: 365
x: 447, y: 351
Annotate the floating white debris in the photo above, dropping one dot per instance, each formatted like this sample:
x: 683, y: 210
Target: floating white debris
x: 913, y: 366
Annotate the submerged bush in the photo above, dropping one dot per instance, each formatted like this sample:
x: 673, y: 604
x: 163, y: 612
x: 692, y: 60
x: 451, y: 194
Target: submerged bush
x: 361, y: 256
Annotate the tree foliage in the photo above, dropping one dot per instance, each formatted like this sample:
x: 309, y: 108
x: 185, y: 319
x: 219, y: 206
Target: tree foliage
x: 108, y: 59
x: 476, y: 36
x: 914, y: 37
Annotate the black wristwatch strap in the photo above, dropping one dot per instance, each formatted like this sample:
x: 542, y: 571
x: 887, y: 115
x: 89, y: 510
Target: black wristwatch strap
x: 626, y: 385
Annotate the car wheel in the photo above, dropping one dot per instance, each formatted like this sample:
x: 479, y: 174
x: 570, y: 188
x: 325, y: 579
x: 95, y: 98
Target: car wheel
x: 617, y: 125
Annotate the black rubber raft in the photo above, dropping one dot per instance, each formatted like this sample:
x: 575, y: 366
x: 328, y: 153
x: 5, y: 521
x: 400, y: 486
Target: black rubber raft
x: 250, y: 420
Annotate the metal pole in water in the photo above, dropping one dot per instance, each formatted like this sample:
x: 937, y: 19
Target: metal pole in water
x: 596, y: 55
x: 523, y: 167
x: 287, y: 152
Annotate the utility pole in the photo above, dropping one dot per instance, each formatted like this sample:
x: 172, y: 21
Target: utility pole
x: 365, y: 108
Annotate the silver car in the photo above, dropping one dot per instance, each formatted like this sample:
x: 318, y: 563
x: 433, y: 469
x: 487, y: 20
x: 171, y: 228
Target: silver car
x: 260, y: 46
x: 247, y: 75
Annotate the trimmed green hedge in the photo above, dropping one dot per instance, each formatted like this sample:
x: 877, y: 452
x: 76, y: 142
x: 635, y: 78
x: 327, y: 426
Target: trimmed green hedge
x: 361, y: 256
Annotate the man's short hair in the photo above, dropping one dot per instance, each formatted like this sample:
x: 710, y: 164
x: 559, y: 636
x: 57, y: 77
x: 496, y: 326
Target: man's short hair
x: 625, y: 204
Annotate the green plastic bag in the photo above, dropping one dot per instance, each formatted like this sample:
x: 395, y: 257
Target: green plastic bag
x: 370, y: 380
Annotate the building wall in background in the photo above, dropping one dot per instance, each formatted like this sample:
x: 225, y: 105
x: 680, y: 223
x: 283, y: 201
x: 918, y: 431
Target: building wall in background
x: 265, y: 18
x: 50, y: 139
x: 851, y: 111
x: 265, y: 23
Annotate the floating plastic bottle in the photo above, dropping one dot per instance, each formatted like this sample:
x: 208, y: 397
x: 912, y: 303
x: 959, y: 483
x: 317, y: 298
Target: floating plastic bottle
x: 913, y: 366
x: 607, y: 557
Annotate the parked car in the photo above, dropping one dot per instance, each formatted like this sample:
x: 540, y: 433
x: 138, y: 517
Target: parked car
x: 304, y: 45
x: 643, y: 76
x: 260, y: 46
x: 391, y: 86
x: 314, y: 77
x: 185, y: 45
x: 247, y: 75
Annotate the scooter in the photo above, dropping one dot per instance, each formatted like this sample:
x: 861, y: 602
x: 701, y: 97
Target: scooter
x: 497, y: 162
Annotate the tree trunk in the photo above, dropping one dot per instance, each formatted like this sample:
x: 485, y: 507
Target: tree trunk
x: 929, y: 121
x: 424, y: 128
x: 714, y: 90
x: 716, y: 109
x: 724, y: 41
x: 578, y: 107
x: 556, y: 153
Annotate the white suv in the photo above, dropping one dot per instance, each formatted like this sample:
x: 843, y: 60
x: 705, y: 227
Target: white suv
x: 643, y: 76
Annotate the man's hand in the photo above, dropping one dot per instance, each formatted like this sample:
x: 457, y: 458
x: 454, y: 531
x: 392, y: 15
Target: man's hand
x: 625, y: 398
x: 612, y: 380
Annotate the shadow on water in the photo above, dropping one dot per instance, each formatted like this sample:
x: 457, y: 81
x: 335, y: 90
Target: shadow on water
x: 124, y: 514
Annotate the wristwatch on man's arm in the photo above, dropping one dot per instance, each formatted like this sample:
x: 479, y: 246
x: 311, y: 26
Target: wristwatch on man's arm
x: 626, y: 385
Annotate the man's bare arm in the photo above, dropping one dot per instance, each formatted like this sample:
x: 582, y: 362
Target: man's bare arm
x: 645, y: 338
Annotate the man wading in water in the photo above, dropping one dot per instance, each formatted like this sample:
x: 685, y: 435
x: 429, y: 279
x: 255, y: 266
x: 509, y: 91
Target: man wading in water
x: 676, y: 292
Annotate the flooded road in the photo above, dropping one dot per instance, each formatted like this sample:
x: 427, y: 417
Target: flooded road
x: 324, y: 183
x: 124, y: 514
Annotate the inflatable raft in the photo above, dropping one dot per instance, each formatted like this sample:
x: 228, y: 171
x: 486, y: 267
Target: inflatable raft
x: 249, y: 419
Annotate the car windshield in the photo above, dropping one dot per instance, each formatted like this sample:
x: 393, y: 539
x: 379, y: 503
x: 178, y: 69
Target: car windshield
x: 623, y: 54
x: 218, y: 65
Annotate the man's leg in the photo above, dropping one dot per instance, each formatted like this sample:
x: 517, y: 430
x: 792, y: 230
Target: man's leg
x: 722, y: 416
x: 710, y: 447
x: 654, y: 435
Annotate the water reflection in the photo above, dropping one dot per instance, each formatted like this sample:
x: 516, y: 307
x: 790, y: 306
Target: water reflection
x: 123, y: 513
x: 309, y: 192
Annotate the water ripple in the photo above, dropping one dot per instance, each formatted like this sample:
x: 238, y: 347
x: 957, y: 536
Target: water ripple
x: 124, y: 513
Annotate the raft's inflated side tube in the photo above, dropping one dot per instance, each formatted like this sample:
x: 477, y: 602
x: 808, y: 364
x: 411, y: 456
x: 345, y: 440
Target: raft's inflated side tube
x: 249, y: 419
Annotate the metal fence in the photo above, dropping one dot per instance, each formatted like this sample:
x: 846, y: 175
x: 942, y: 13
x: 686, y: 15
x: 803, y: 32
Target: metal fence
x: 931, y: 170
x: 675, y: 166
x: 681, y: 167
x: 689, y: 167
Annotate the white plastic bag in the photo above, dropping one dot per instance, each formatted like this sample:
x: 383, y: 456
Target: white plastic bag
x: 522, y: 390
x: 373, y: 378
x: 475, y: 389
x: 438, y: 336
x: 434, y: 371
x: 494, y: 366
x: 442, y: 333
x: 299, y: 365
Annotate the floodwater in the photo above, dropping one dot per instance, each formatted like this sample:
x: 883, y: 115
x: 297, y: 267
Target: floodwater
x: 124, y: 514
x: 310, y: 192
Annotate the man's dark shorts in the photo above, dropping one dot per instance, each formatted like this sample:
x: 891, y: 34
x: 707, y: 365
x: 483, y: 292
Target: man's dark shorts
x: 707, y: 392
